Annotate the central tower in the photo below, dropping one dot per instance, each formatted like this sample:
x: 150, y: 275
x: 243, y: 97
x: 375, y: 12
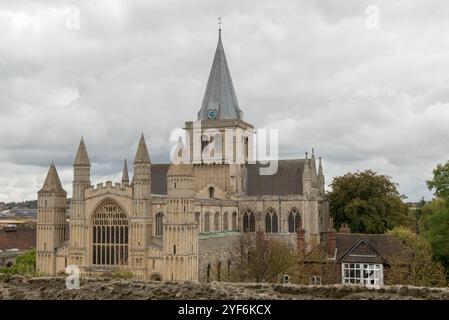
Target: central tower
x: 219, y: 141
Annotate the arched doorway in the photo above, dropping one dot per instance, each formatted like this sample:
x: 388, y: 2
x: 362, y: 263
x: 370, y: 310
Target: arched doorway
x: 109, y: 235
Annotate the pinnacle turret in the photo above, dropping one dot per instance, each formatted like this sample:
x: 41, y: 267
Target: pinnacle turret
x: 142, y: 155
x: 82, y: 158
x: 52, y: 182
x: 125, y: 176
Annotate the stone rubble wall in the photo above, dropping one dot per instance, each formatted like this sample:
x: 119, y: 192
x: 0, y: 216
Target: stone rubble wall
x: 17, y: 287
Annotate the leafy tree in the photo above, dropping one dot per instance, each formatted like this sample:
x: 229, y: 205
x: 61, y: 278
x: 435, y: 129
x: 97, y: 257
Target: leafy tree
x: 263, y: 259
x: 25, y: 264
x: 434, y: 226
x: 440, y: 181
x: 367, y: 201
x: 422, y: 270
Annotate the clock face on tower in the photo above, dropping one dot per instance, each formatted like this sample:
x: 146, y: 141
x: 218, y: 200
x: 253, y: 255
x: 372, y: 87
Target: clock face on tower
x: 211, y: 114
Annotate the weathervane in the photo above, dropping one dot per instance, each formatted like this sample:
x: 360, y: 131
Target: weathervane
x: 219, y: 23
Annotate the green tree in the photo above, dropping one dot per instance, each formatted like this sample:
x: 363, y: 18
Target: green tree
x: 422, y: 270
x: 367, y: 201
x: 263, y: 259
x: 440, y: 181
x: 434, y: 226
x: 25, y: 264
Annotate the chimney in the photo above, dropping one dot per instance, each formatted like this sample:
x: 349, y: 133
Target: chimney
x: 300, y: 242
x: 331, y: 241
x: 344, y: 228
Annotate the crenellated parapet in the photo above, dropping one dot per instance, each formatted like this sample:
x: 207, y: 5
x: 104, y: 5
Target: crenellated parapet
x: 117, y: 189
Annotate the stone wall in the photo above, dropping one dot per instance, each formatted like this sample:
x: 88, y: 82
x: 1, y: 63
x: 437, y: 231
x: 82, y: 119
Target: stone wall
x: 20, y: 288
x: 217, y: 253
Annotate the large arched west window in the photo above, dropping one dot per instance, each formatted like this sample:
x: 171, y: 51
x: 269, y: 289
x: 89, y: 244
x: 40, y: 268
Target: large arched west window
x: 294, y: 221
x: 249, y: 221
x: 159, y: 226
x: 109, y: 235
x: 271, y: 221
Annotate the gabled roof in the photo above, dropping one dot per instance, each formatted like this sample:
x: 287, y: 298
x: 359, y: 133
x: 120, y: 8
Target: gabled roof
x: 52, y: 182
x: 220, y: 95
x: 370, y: 248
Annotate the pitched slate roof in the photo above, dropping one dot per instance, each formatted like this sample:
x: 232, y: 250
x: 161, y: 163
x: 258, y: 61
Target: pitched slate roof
x: 159, y: 178
x: 370, y: 248
x: 286, y: 181
x: 220, y: 95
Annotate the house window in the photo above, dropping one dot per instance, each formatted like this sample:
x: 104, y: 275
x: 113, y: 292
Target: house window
x: 315, y: 280
x: 367, y: 274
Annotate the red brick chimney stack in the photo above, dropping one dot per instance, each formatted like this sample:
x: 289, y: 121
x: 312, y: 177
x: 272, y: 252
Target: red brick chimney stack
x: 331, y: 241
x: 300, y: 241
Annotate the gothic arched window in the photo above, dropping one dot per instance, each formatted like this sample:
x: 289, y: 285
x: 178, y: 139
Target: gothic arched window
x: 249, y: 221
x: 216, y: 221
x: 109, y: 235
x: 294, y: 221
x: 206, y: 222
x: 271, y: 221
x: 159, y: 224
x: 225, y: 221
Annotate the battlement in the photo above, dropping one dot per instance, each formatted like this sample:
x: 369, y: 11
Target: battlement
x: 115, y: 189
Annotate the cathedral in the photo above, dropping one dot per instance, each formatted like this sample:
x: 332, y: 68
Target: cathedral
x: 183, y: 220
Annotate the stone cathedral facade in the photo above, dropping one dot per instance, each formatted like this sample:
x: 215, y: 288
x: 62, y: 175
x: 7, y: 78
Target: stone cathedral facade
x: 182, y: 221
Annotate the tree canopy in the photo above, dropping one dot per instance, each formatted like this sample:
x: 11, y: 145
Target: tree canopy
x: 440, y: 181
x: 367, y: 201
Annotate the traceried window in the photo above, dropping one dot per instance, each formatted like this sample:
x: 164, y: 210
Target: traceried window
x: 109, y: 235
x: 159, y: 224
x: 249, y: 221
x: 294, y: 221
x: 225, y: 221
x: 367, y: 274
x: 271, y: 221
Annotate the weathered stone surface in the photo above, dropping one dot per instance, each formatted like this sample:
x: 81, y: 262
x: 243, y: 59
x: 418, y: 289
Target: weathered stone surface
x: 17, y: 288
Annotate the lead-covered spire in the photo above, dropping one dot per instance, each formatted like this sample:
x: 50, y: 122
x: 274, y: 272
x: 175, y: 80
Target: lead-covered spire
x: 220, y: 101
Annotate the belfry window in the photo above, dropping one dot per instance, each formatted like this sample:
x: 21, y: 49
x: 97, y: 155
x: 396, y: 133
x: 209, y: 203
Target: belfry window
x: 159, y: 224
x: 206, y: 222
x: 211, y: 192
x: 216, y: 221
x: 109, y: 235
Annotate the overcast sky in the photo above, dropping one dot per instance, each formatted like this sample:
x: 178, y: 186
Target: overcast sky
x: 322, y: 72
